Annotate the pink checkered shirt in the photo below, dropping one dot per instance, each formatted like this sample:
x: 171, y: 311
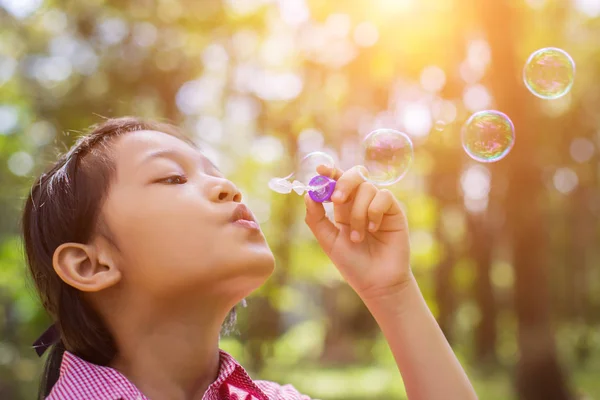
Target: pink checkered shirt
x: 81, y: 380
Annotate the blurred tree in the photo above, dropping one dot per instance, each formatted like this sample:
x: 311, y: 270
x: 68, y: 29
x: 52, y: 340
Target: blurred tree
x: 444, y: 188
x: 245, y: 76
x: 482, y: 244
x: 539, y: 375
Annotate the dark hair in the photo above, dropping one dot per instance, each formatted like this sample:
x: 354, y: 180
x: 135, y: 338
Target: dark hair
x: 64, y: 206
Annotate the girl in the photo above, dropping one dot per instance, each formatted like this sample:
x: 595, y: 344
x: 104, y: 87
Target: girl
x: 140, y: 249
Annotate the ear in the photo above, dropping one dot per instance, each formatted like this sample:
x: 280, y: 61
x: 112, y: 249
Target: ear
x: 80, y: 266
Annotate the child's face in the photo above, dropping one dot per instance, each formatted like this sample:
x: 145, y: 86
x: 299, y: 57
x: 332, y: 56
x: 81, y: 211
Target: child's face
x: 171, y: 217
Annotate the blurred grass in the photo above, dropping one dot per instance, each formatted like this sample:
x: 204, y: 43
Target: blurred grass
x: 382, y: 381
x: 378, y: 383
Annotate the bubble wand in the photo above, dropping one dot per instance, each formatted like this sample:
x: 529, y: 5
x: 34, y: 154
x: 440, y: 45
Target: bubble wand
x: 386, y: 159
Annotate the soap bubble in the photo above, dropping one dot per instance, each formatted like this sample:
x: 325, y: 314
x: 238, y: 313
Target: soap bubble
x: 307, y: 166
x: 303, y: 178
x: 488, y: 136
x: 387, y: 156
x: 439, y: 125
x: 549, y: 73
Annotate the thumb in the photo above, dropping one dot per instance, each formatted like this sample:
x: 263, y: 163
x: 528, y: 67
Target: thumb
x: 316, y: 219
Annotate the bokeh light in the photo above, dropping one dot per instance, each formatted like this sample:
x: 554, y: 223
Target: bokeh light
x: 41, y: 133
x: 338, y: 24
x: 293, y: 12
x: 20, y: 163
x: 54, y: 21
x: 215, y: 57
x: 433, y: 78
x: 9, y: 119
x: 209, y: 128
x: 366, y: 34
x: 267, y: 149
x: 8, y: 66
x: 475, y: 183
x: 310, y: 140
x: 21, y: 9
x: 444, y: 111
x: 112, y: 30
x: 477, y: 98
x: 416, y: 119
x: 590, y: 8
x: 582, y: 149
x: 145, y: 34
x: 565, y: 180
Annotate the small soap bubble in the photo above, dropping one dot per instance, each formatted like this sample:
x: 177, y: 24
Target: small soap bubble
x: 387, y: 156
x: 307, y: 167
x: 549, y: 73
x: 488, y: 136
x: 439, y: 125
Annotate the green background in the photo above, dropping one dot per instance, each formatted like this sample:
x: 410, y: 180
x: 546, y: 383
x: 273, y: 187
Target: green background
x: 506, y: 254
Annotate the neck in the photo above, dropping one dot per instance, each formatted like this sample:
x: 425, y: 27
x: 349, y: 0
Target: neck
x: 174, y: 355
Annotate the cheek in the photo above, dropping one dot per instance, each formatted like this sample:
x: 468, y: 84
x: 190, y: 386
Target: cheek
x: 169, y: 259
x: 162, y: 240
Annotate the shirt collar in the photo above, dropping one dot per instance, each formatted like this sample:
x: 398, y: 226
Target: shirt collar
x: 89, y: 379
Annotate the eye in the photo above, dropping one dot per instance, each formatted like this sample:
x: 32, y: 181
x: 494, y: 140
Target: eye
x: 174, y: 180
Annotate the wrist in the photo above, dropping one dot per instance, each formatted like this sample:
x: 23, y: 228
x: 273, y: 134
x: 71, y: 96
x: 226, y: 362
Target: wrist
x: 399, y: 307
x: 397, y: 294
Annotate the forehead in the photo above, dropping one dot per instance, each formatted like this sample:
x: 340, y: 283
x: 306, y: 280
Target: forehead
x: 135, y: 149
x: 136, y: 145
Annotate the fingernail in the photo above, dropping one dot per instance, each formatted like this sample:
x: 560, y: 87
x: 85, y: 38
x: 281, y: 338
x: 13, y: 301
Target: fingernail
x: 355, y: 236
x: 372, y: 226
x: 337, y: 195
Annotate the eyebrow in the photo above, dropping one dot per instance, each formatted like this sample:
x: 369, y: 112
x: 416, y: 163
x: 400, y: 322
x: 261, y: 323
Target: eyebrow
x: 176, y: 156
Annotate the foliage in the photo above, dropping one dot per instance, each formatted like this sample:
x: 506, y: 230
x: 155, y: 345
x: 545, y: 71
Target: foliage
x: 261, y: 82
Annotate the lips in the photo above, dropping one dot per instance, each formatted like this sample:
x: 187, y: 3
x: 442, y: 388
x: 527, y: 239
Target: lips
x: 242, y: 213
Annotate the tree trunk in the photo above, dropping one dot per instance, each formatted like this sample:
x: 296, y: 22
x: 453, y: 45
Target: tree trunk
x: 348, y: 322
x: 539, y: 376
x: 445, y: 296
x: 485, y: 332
x: 581, y: 240
x: 443, y: 187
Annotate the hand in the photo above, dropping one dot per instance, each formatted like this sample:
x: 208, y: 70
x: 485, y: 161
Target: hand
x: 369, y: 242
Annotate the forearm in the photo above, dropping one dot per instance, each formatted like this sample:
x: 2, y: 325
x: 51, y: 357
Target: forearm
x: 428, y: 366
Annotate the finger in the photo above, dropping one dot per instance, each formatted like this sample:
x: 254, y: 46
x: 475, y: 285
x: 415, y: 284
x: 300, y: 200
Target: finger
x: 332, y: 172
x: 324, y: 230
x: 383, y: 202
x: 365, y: 194
x: 346, y: 184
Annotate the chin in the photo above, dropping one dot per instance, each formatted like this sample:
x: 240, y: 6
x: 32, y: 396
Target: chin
x: 247, y: 274
x: 262, y: 264
x: 250, y: 261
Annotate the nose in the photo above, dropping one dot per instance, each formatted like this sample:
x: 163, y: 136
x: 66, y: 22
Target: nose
x: 224, y: 191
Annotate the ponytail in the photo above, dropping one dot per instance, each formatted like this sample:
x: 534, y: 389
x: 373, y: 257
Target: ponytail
x: 50, y: 339
x: 51, y: 371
